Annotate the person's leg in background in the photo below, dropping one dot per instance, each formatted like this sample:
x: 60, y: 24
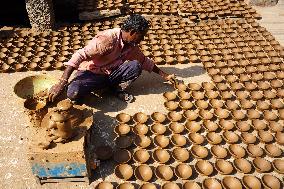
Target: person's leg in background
x: 84, y: 83
x: 123, y: 76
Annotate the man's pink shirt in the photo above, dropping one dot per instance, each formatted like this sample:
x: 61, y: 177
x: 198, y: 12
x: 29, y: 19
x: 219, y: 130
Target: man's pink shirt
x: 105, y: 52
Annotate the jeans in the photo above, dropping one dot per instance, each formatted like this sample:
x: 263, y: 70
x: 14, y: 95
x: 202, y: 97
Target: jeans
x: 86, y: 82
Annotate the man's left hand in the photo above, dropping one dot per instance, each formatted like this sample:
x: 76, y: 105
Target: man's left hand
x: 171, y: 78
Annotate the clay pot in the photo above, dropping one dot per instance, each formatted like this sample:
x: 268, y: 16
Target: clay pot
x: 209, y: 125
x: 204, y: 167
x: 158, y: 128
x: 171, y: 105
x: 123, y: 118
x: 158, y: 117
x: 194, y: 86
x: 250, y: 182
x: 276, y: 103
x: 199, y: 152
x: 211, y: 94
x: 180, y: 87
x: 211, y: 183
x: 180, y: 154
x: 242, y: 165
x: 262, y: 165
x: 237, y: 151
x: 226, y: 124
x: 279, y: 137
x: 219, y: 152
x: 272, y: 150
x: 174, y: 116
x: 104, y: 185
x: 192, y: 126
x: 126, y: 185
x: 191, y: 185
x: 254, y: 150
x: 196, y: 138
x: 140, y: 117
x: 148, y: 186
x: 231, y: 183
x: 238, y: 114
x: 185, y: 104
x: 143, y: 172
x: 123, y: 141
x: 170, y: 185
x: 269, y: 115
x: 246, y: 104
x: 140, y: 129
x: 202, y: 104
x: 122, y: 156
x: 183, y: 171
x: 123, y: 171
x: 161, y: 141
x: 164, y: 172
x: 176, y: 127
x: 214, y: 138
x: 161, y: 156
x: 265, y: 136
x: 271, y: 182
x: 141, y: 156
x: 278, y: 165
x: 169, y: 96
x: 215, y: 103
x: 190, y: 115
x: 224, y: 167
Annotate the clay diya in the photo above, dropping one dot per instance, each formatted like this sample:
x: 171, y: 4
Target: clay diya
x: 170, y: 185
x: 180, y: 154
x: 226, y: 124
x: 278, y: 165
x: 215, y: 103
x: 213, y: 138
x: 176, y: 127
x: 174, y: 116
x: 262, y: 165
x: 143, y: 172
x: 222, y: 113
x: 158, y: 128
x: 180, y: 87
x: 279, y: 137
x: 272, y: 150
x: 171, y: 105
x: 248, y: 138
x: 276, y: 103
x: 140, y: 117
x: 123, y: 118
x: 208, y: 86
x: 211, y: 183
x: 190, y: 115
x: 199, y: 152
x: 191, y: 185
x: 185, y: 104
x: 232, y: 105
x: 253, y: 114
x: 224, y: 167
x: 169, y: 96
x: 204, y: 167
x: 237, y: 151
x: 211, y: 94
x: 274, y: 126
x: 219, y: 152
x: 161, y: 155
x: 242, y: 94
x: 259, y: 124
x: 205, y: 114
x: 210, y: 126
x: 265, y: 136
x: 123, y: 141
x: 178, y: 140
x: 256, y: 95
x: 250, y: 182
x: 141, y: 156
x: 230, y: 137
x: 183, y: 95
x: 196, y: 138
x: 164, y: 172
x: 140, y: 129
x: 269, y: 115
x: 194, y: 86
x: 242, y: 165
x: 202, y: 104
x: 192, y: 126
x: 231, y: 183
x: 148, y: 186
x: 161, y: 141
x: 142, y: 141
x: 197, y: 95
x: 238, y: 114
x: 104, y: 185
x: 183, y: 171
x: 123, y: 171
x: 122, y: 156
x: 271, y: 182
x: 158, y: 117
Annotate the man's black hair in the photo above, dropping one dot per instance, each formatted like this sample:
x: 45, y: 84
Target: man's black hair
x: 135, y: 22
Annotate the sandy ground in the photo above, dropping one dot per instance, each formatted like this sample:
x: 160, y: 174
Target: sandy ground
x: 15, y: 171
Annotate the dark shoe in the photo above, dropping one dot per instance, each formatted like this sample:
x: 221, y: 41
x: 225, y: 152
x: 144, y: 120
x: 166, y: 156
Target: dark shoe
x: 125, y: 96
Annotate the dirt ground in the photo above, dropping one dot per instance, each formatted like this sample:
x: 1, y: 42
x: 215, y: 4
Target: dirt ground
x: 15, y: 171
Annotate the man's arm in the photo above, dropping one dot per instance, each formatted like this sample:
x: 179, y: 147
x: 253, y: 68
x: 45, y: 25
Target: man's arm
x: 168, y: 77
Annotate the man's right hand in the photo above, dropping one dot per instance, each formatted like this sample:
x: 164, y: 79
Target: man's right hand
x: 55, y: 90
